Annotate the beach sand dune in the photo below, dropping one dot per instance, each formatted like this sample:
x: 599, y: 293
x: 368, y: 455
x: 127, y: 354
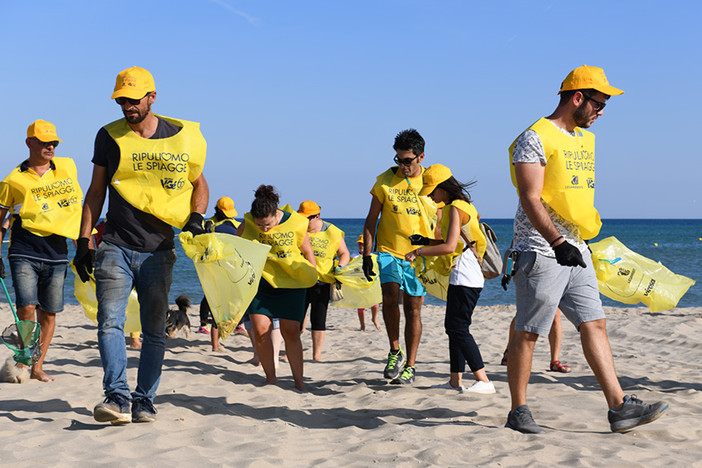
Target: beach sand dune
x: 213, y: 412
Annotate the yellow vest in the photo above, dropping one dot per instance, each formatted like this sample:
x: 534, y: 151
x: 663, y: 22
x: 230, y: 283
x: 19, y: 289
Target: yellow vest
x: 569, y: 179
x: 471, y: 228
x: 51, y: 204
x: 404, y: 212
x: 216, y: 223
x: 156, y: 175
x: 286, y: 267
x: 325, y: 245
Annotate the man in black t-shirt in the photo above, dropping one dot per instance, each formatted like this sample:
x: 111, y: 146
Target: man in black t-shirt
x: 151, y: 167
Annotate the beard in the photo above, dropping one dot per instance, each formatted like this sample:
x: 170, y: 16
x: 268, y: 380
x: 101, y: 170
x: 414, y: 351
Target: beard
x: 581, y: 116
x: 139, y: 117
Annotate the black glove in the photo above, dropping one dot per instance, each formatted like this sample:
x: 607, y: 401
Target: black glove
x: 568, y: 255
x: 194, y: 224
x: 84, y: 259
x: 2, y: 269
x: 417, y: 239
x: 368, y: 267
x: 209, y: 226
x: 505, y: 281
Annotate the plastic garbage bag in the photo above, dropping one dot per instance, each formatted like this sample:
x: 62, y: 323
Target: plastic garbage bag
x: 357, y: 291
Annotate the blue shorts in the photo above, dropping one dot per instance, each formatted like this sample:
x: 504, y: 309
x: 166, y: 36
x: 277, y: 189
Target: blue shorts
x: 395, y: 270
x: 38, y: 283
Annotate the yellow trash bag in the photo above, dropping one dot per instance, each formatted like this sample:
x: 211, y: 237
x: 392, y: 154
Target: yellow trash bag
x: 85, y: 293
x: 358, y: 292
x: 433, y: 273
x: 229, y: 269
x: 628, y: 277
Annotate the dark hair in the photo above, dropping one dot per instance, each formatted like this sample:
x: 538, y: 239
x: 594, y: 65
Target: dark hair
x: 265, y: 202
x: 409, y: 139
x: 568, y: 95
x: 456, y: 190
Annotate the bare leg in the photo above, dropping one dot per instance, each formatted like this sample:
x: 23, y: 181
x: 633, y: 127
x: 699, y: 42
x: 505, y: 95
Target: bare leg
x: 214, y: 339
x: 317, y: 344
x: 413, y: 325
x: 290, y: 329
x: 374, y: 312
x: 47, y: 322
x: 262, y: 327
x: 509, y: 340
x: 456, y: 379
x: 555, y: 336
x: 134, y: 341
x: 480, y: 375
x: 255, y: 359
x: 277, y: 339
x: 521, y: 349
x: 362, y: 318
x: 391, y: 313
x: 598, y: 353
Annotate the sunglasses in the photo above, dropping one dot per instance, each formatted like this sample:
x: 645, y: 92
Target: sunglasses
x: 597, y: 105
x: 123, y: 100
x: 54, y: 143
x: 404, y: 162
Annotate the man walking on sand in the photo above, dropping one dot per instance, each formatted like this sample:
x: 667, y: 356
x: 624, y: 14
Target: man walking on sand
x: 152, y: 168
x: 395, y: 199
x: 43, y: 197
x: 553, y: 169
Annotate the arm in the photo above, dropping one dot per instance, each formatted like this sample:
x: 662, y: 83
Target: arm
x: 369, y: 226
x: 93, y: 202
x: 530, y: 180
x: 201, y: 195
x: 442, y: 248
x: 3, y: 213
x: 307, y: 252
x: 343, y: 253
x: 240, y: 229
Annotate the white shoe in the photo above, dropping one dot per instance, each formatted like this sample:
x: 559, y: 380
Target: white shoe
x: 481, y: 387
x: 447, y: 386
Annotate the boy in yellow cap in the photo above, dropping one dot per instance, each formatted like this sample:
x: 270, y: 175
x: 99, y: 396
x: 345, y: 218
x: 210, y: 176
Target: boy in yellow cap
x: 43, y: 197
x: 152, y: 168
x: 553, y: 168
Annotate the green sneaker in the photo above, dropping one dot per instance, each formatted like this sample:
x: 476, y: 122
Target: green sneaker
x: 406, y: 377
x: 395, y: 362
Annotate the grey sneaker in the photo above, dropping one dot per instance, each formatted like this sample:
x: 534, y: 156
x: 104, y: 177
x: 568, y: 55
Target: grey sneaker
x: 143, y: 411
x: 115, y: 410
x: 634, y: 412
x: 394, y: 366
x: 522, y: 421
x: 406, y: 377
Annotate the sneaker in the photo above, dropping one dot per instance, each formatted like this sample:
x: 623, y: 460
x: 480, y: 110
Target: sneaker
x: 634, y: 412
x: 522, y: 421
x: 484, y: 388
x: 406, y: 377
x: 115, y: 410
x: 143, y: 411
x: 204, y: 330
x: 447, y: 386
x: 394, y: 367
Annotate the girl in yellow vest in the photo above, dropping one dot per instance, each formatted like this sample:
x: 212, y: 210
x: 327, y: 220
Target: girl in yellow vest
x: 289, y: 271
x: 459, y: 228
x: 327, y: 243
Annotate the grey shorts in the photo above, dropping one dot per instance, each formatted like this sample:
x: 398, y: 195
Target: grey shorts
x: 543, y: 285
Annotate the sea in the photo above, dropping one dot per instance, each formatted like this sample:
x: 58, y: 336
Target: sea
x: 676, y: 243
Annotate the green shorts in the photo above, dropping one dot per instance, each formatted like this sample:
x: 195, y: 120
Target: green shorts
x: 280, y: 303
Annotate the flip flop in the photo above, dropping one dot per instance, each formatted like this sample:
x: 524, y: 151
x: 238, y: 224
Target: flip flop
x: 557, y: 366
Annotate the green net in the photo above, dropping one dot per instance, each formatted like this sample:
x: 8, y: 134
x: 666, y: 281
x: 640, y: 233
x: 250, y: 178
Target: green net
x: 23, y: 339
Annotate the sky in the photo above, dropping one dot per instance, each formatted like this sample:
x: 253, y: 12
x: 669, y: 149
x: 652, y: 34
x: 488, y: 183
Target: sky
x: 308, y: 95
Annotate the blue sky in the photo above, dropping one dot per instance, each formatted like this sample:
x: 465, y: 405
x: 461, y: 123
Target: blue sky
x: 308, y: 95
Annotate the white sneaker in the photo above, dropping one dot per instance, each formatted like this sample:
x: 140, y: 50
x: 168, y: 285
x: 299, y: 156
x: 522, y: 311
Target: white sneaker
x: 481, y: 387
x: 447, y: 386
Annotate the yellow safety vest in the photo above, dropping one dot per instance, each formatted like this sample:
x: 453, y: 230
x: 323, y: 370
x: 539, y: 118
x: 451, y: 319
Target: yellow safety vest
x: 404, y: 212
x: 569, y: 179
x: 325, y: 245
x: 471, y: 228
x: 286, y: 267
x: 156, y: 175
x: 216, y: 223
x: 51, y: 204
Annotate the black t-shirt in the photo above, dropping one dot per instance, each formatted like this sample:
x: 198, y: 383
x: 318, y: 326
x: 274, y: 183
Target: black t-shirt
x: 125, y: 225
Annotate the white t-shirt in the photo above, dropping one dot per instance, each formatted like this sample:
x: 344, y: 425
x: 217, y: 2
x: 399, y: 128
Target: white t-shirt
x: 467, y: 271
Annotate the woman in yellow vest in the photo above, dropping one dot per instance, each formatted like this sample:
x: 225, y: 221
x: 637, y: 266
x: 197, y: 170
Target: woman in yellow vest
x: 289, y: 271
x: 459, y: 220
x: 327, y: 243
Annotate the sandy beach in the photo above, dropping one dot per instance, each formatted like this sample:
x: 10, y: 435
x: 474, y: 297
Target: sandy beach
x: 212, y: 411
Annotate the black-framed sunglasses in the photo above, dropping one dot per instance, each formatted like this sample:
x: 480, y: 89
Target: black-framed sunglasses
x: 54, y: 143
x: 597, y: 105
x: 404, y: 162
x: 123, y: 100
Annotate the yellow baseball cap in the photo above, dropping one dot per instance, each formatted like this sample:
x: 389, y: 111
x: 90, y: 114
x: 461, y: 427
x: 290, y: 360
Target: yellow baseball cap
x: 589, y: 78
x: 433, y: 176
x: 360, y: 239
x: 308, y: 208
x: 226, y: 206
x: 133, y: 83
x: 43, y: 131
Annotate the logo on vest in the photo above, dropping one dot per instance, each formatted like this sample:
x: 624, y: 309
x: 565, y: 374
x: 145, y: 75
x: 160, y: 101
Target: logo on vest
x: 590, y: 183
x: 574, y: 180
x: 172, y: 184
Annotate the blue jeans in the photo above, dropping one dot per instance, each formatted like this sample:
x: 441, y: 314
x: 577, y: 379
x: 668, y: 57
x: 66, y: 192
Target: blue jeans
x: 38, y: 283
x: 117, y: 271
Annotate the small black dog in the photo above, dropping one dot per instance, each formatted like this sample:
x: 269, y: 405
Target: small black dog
x: 177, y: 319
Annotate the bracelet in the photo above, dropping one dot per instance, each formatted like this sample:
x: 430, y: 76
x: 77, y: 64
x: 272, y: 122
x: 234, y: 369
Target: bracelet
x: 555, y: 240
x: 419, y: 252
